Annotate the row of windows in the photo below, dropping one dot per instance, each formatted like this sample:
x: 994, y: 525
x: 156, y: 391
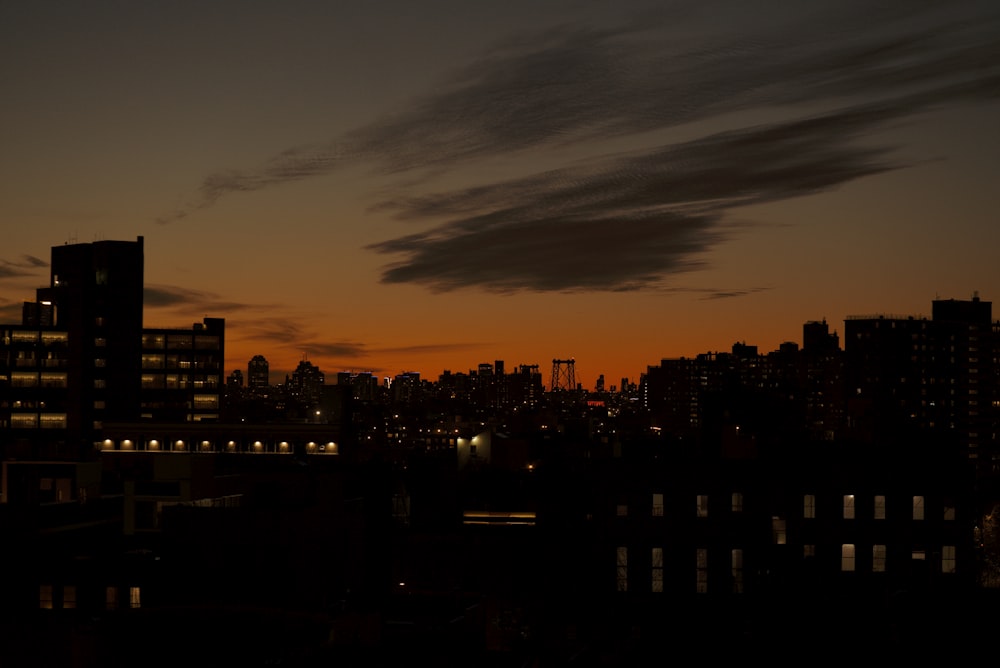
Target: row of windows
x: 848, y: 564
x: 38, y: 421
x: 180, y: 342
x: 38, y: 379
x: 808, y: 506
x: 50, y: 597
x: 152, y: 381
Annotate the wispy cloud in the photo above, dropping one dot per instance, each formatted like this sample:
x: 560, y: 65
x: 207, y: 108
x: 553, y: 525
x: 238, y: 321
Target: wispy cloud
x: 186, y: 299
x: 625, y: 222
x: 25, y: 266
x: 631, y: 221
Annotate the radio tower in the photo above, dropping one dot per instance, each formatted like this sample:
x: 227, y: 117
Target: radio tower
x: 563, y: 375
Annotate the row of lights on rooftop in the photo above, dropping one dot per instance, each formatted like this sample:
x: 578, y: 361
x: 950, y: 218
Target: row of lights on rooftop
x: 206, y: 446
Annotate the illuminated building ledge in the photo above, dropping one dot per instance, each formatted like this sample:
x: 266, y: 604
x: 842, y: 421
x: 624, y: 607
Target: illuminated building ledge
x: 498, y: 518
x: 218, y: 438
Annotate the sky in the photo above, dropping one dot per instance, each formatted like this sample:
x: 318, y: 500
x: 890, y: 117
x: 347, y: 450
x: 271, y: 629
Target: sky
x: 396, y: 186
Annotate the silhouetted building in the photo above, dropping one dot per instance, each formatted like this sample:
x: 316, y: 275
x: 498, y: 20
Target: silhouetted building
x: 258, y: 376
x: 306, y: 383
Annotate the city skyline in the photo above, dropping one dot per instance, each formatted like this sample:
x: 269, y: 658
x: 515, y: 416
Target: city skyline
x: 394, y: 188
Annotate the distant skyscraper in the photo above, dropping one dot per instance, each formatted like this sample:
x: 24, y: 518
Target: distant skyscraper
x: 306, y: 383
x: 258, y: 376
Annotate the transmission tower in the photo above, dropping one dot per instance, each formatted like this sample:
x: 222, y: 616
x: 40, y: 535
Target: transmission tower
x: 563, y: 375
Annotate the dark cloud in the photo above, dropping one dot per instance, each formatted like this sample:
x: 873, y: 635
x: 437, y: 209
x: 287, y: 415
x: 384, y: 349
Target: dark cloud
x: 170, y: 296
x: 631, y: 221
x: 10, y: 311
x: 626, y: 222
x: 22, y: 267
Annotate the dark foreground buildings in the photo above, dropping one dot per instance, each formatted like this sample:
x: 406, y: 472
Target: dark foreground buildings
x: 810, y: 503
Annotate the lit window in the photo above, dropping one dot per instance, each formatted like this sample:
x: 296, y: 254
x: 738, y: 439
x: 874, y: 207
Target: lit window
x: 702, y: 505
x: 948, y: 559
x: 847, y: 557
x: 52, y: 421
x: 657, y: 505
x: 809, y: 506
x: 134, y: 597
x: 949, y: 513
x: 848, y: 506
x: 111, y: 598
x: 918, y: 508
x: 657, y: 569
x: 778, y: 530
x: 69, y: 596
x: 878, y: 558
x: 622, y: 510
x: 45, y: 597
x: 701, y: 564
x: 737, y: 502
x: 879, y: 513
x: 622, y: 576
x: 808, y: 550
x: 736, y: 563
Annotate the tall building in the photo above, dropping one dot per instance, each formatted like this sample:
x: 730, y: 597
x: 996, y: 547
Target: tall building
x: 74, y: 362
x: 258, y: 376
x: 306, y: 383
x: 81, y: 358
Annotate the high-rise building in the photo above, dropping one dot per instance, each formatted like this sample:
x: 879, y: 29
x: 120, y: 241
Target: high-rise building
x: 258, y: 376
x: 74, y: 362
x: 306, y: 383
x: 81, y: 358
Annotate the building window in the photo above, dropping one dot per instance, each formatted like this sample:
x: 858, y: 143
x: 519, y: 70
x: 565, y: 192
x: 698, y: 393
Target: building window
x: 657, y: 505
x: 778, y: 530
x: 809, y: 506
x: 702, y: 505
x: 878, y: 558
x: 52, y: 421
x: 134, y: 597
x: 847, y: 557
x: 736, y: 563
x: 24, y: 420
x: 69, y: 596
x: 622, y: 576
x: 948, y: 559
x: 737, y: 502
x: 111, y: 598
x: 808, y: 550
x: 701, y: 565
x: 848, y: 506
x: 622, y: 510
x: 879, y: 513
x: 657, y: 570
x: 45, y: 597
x: 918, y: 508
x: 949, y: 512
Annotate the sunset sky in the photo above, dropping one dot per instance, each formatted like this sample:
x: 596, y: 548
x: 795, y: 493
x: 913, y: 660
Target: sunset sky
x: 397, y: 186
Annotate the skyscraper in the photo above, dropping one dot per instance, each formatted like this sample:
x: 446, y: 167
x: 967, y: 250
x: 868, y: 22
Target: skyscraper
x: 258, y: 376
